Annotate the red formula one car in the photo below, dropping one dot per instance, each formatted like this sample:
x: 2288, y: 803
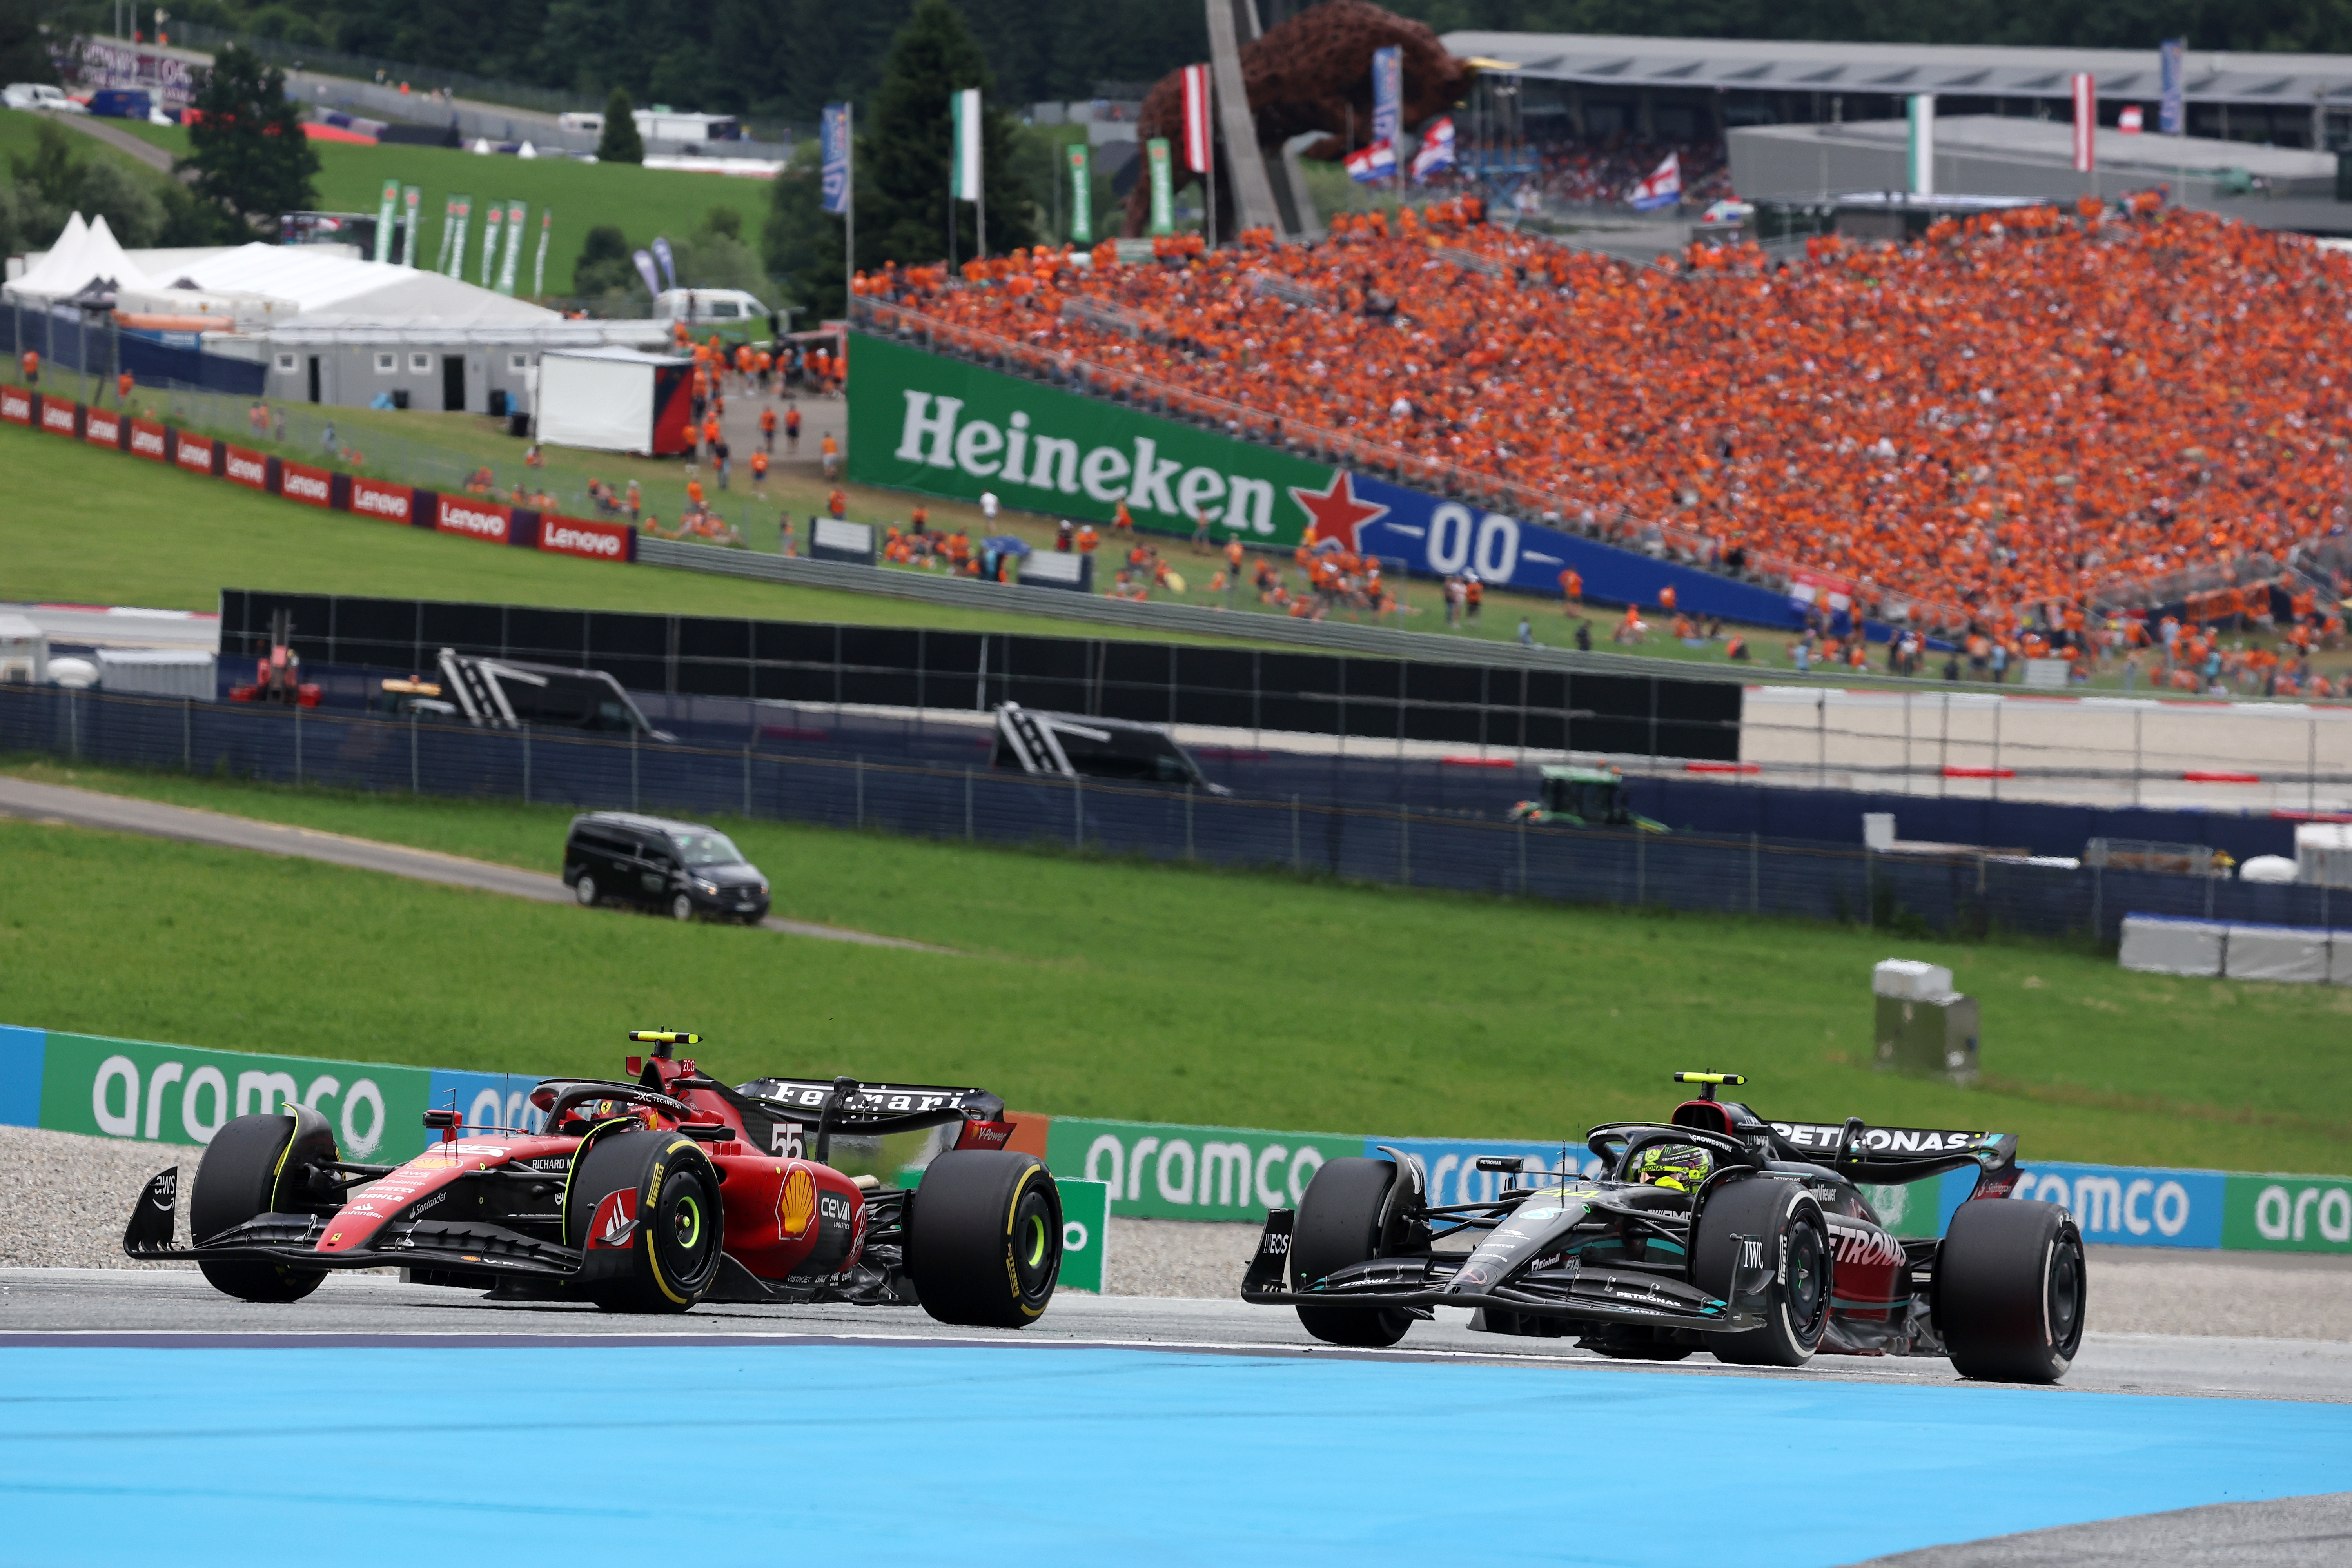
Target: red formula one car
x: 646, y: 1196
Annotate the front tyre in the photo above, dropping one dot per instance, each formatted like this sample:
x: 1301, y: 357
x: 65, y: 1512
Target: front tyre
x: 1796, y: 1239
x: 584, y: 889
x: 984, y: 1238
x: 644, y: 1208
x: 257, y: 1165
x: 681, y: 907
x: 2010, y: 1290
x: 1338, y: 1223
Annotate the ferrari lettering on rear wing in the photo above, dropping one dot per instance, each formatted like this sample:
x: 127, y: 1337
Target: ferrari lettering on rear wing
x: 870, y: 1100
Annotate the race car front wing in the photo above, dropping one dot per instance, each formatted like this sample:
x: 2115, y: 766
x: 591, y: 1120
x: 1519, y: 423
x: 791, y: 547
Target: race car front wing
x: 1565, y: 1291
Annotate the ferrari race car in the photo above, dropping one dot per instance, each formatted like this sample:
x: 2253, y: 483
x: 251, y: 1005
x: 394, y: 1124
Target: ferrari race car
x: 1716, y: 1230
x: 646, y: 1196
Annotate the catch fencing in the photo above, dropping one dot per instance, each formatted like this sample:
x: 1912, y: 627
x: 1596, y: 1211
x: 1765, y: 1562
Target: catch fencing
x: 1963, y: 895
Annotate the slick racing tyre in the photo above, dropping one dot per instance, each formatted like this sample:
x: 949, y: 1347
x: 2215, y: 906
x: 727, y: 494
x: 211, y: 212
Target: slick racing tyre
x: 984, y: 1238
x: 1796, y: 1240
x: 1338, y: 1223
x: 2010, y: 1291
x: 258, y: 1165
x: 644, y: 1208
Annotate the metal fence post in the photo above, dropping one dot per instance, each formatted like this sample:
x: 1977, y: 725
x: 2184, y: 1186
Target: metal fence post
x: 1641, y: 868
x: 298, y: 743
x: 187, y: 734
x: 1188, y: 823
x: 1078, y: 811
x: 858, y: 769
x: 2311, y: 770
x: 526, y: 765
x: 413, y: 788
x: 967, y: 804
x: 747, y: 778
x: 1404, y: 847
x: 2098, y: 925
x: 1869, y: 882
x: 633, y: 770
x: 1755, y: 851
x: 1297, y: 861
x: 2210, y: 880
x: 1523, y: 856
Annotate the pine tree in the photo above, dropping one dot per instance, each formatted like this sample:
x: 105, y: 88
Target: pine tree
x: 247, y: 148
x: 620, y: 144
x: 901, y: 177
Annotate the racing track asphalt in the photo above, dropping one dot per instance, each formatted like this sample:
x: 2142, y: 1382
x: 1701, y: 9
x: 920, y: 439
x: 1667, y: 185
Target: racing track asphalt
x: 122, y: 814
x: 168, y: 1424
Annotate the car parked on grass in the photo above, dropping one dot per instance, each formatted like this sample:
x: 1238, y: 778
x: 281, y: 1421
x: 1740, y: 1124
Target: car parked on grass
x: 684, y: 869
x: 40, y: 95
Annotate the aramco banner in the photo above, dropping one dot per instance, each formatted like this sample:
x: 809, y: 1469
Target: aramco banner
x: 944, y: 426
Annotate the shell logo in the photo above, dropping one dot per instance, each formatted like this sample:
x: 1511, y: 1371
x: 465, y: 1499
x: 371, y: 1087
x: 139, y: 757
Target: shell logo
x: 796, y: 1203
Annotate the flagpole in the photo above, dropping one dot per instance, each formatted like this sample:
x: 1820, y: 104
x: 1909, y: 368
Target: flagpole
x: 849, y: 202
x: 1209, y: 147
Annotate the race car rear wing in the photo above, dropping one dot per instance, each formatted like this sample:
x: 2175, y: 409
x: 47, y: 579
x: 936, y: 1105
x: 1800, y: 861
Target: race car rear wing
x: 871, y: 1108
x: 1891, y: 1156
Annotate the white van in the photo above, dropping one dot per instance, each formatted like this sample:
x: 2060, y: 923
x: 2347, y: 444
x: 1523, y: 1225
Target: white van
x: 40, y: 95
x: 712, y: 306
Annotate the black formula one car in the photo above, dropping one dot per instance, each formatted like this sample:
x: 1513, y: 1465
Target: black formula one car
x: 1717, y: 1230
x: 644, y: 1196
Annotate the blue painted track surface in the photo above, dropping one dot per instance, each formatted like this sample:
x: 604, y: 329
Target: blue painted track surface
x: 905, y: 1453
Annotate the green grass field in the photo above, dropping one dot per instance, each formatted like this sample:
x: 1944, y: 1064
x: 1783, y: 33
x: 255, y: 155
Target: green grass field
x: 87, y: 526
x: 641, y: 201
x: 1112, y: 989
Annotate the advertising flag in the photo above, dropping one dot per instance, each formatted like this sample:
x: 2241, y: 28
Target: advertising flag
x: 2172, y: 117
x: 412, y: 203
x: 1436, y: 154
x: 384, y: 216
x: 645, y: 260
x: 492, y: 217
x: 1082, y: 193
x: 1388, y: 94
x: 1923, y: 144
x: 1198, y: 137
x: 465, y: 208
x: 506, y: 263
x: 832, y: 137
x: 538, y: 267
x: 1163, y: 186
x: 963, y: 183
x: 1377, y: 161
x: 668, y: 262
x: 1664, y: 188
x: 2086, y: 123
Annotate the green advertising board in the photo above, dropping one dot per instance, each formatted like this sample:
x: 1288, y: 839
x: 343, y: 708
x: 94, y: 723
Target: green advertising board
x: 2287, y: 1213
x: 1157, y: 1170
x: 1086, y: 1233
x: 180, y: 1094
x: 947, y: 427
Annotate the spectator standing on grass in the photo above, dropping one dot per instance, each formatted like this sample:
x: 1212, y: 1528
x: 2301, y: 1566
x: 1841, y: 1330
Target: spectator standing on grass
x: 1065, y: 535
x: 988, y: 505
x: 1527, y: 633
x: 1571, y: 591
x: 1453, y: 603
x: 1474, y: 596
x: 122, y: 385
x: 1201, y: 529
x: 784, y: 530
x: 694, y: 495
x: 829, y: 450
x: 921, y: 519
x: 768, y: 427
x: 760, y: 474
x: 1584, y: 636
x: 31, y: 362
x: 278, y: 424
x: 1999, y: 659
x: 635, y: 504
x: 792, y: 428
x: 719, y: 449
x: 837, y: 502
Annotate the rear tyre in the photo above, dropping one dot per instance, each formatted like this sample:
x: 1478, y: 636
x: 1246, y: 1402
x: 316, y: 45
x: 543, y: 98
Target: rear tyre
x: 584, y: 889
x: 681, y: 907
x: 2010, y: 1291
x: 1788, y: 1220
x: 257, y: 1165
x: 1338, y: 1223
x: 643, y: 1207
x: 984, y: 1238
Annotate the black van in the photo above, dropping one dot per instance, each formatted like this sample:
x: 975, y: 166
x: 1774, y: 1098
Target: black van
x: 682, y: 868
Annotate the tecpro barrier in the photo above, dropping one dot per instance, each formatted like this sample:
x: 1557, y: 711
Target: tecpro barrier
x: 139, y: 1090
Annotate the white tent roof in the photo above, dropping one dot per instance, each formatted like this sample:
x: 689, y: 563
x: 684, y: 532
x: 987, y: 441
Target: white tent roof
x: 259, y: 284
x: 85, y: 253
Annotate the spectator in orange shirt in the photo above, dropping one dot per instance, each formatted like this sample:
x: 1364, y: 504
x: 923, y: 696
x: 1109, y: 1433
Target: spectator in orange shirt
x: 1571, y: 591
x: 830, y: 449
x: 768, y: 427
x: 837, y: 502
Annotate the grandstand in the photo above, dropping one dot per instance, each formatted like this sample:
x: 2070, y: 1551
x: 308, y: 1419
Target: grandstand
x: 2036, y: 414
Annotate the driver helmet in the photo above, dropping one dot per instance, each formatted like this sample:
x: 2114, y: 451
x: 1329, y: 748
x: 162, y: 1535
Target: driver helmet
x: 1681, y: 1166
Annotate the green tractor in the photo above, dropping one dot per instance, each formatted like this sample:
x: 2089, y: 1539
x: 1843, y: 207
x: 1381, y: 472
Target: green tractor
x: 1584, y: 798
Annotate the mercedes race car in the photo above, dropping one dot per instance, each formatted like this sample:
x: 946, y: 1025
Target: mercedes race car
x: 1716, y: 1230
x: 644, y: 1196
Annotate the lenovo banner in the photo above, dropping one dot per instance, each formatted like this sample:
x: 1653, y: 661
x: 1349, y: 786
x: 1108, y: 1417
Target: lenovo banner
x: 595, y: 540
x: 59, y: 417
x: 15, y: 405
x: 101, y: 429
x: 299, y: 481
x: 374, y: 497
x: 198, y: 453
x: 947, y: 427
x: 250, y: 470
x: 151, y: 441
x: 474, y: 519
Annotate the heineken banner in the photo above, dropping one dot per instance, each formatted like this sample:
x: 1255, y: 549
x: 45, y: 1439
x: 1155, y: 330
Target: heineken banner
x: 1163, y: 190
x: 462, y: 209
x: 947, y: 427
x: 383, y: 219
x: 1082, y: 193
x: 515, y: 213
x: 539, y: 264
x: 492, y: 216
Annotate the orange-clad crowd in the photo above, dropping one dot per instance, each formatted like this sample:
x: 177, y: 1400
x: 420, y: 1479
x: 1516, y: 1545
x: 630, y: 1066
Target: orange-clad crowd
x: 2011, y: 411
